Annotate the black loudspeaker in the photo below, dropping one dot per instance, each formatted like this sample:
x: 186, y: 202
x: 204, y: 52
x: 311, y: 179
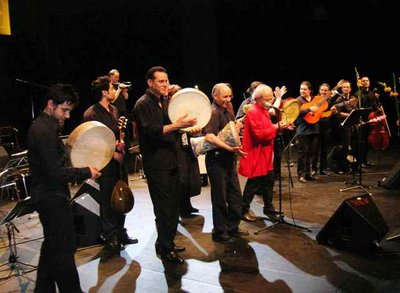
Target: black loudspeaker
x: 86, y: 214
x: 392, y: 181
x: 357, y: 225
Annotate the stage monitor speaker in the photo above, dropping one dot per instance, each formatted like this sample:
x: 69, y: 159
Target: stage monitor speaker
x: 392, y: 181
x: 357, y: 225
x: 86, y: 214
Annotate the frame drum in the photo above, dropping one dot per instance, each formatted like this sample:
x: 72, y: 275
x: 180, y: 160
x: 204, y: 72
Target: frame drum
x: 290, y: 110
x: 91, y: 144
x: 192, y: 102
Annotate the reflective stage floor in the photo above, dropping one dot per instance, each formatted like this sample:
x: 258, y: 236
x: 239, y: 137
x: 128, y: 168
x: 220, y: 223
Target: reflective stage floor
x: 281, y: 258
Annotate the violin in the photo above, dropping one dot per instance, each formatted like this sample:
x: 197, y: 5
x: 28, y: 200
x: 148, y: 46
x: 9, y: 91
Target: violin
x: 378, y: 138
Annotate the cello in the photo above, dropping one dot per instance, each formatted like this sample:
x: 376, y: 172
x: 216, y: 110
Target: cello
x: 379, y: 137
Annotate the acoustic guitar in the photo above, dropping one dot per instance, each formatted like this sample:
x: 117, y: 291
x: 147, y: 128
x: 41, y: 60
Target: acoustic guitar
x: 322, y: 104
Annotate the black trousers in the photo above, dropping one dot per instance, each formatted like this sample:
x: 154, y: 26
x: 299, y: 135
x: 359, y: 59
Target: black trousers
x: 263, y: 185
x: 226, y: 197
x: 57, y: 262
x: 163, y: 188
x: 112, y: 223
x: 307, y: 154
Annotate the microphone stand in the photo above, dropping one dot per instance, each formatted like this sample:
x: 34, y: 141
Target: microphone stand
x: 32, y: 84
x: 280, y: 218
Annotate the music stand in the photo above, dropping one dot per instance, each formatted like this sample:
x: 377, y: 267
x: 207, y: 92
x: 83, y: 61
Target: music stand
x: 21, y: 208
x: 356, y: 119
x: 280, y: 218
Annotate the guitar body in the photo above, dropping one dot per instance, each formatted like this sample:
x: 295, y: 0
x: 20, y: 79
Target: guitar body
x: 311, y: 117
x: 322, y: 106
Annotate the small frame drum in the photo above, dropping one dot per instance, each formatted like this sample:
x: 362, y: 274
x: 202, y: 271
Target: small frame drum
x: 290, y: 110
x: 192, y: 102
x: 91, y: 144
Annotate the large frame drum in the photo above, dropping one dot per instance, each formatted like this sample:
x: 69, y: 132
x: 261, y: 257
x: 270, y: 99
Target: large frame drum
x: 91, y: 144
x: 192, y: 102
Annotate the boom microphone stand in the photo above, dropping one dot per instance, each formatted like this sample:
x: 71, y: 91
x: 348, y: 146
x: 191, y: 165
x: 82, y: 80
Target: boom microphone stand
x: 280, y: 218
x: 357, y: 119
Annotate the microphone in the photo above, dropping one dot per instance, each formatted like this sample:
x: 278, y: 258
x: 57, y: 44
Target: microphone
x: 269, y: 105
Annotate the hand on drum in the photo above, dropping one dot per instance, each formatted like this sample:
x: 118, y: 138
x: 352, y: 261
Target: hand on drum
x: 283, y: 125
x: 184, y: 121
x: 95, y: 173
x: 195, y: 131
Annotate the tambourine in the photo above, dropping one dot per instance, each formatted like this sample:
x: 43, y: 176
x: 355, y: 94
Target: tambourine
x: 90, y: 144
x: 290, y: 110
x: 192, y: 102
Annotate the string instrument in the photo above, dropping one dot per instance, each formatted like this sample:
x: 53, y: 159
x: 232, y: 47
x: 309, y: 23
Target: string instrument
x: 322, y: 104
x: 122, y: 199
x: 378, y: 138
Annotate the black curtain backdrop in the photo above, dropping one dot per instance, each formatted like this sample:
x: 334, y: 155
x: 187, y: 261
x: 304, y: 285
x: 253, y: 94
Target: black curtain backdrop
x: 199, y: 42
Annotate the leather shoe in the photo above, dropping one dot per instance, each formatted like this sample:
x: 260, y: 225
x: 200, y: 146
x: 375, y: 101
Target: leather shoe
x: 223, y: 238
x: 365, y: 166
x: 172, y: 257
x: 126, y: 240
x: 248, y: 217
x: 270, y: 210
x: 323, y: 172
x: 238, y: 232
x: 177, y: 248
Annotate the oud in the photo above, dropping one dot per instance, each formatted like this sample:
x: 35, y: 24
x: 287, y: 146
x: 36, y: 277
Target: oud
x: 322, y: 105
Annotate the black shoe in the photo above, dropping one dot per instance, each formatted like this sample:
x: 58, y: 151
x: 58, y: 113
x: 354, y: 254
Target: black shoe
x: 323, y: 172
x: 172, y: 257
x: 223, y: 238
x: 177, y: 248
x: 238, y: 232
x: 365, y: 166
x: 311, y: 178
x: 270, y: 210
x: 126, y: 240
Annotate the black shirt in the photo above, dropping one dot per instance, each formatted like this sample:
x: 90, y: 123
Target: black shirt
x: 48, y: 162
x: 158, y: 149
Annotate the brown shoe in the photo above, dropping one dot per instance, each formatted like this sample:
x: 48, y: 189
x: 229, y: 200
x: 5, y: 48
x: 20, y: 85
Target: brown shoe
x: 248, y: 217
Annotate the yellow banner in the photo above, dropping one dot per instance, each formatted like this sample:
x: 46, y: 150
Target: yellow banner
x: 5, y: 28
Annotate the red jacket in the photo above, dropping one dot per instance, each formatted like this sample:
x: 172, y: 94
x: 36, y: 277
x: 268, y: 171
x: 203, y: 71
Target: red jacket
x: 258, y: 142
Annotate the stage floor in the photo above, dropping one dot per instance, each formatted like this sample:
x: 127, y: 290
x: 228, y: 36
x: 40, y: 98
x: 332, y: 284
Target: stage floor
x: 281, y: 258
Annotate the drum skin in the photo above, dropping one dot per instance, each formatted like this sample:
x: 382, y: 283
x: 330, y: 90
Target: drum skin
x: 192, y: 102
x: 122, y: 199
x: 90, y: 144
x: 290, y: 110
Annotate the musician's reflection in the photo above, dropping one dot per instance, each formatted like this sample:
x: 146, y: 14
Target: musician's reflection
x: 221, y: 169
x: 258, y: 142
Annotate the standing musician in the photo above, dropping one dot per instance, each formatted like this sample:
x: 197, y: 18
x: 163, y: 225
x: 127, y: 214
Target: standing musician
x: 307, y: 135
x: 367, y: 98
x: 226, y: 196
x: 157, y: 141
x: 258, y: 142
x: 325, y: 129
x: 344, y: 104
x: 51, y: 195
x: 188, y: 167
x: 112, y: 223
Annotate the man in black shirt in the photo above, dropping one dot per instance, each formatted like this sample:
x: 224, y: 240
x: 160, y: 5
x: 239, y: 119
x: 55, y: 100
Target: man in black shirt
x: 112, y: 223
x: 157, y: 142
x: 50, y: 192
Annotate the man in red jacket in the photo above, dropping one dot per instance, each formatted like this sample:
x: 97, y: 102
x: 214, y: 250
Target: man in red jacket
x: 258, y: 142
